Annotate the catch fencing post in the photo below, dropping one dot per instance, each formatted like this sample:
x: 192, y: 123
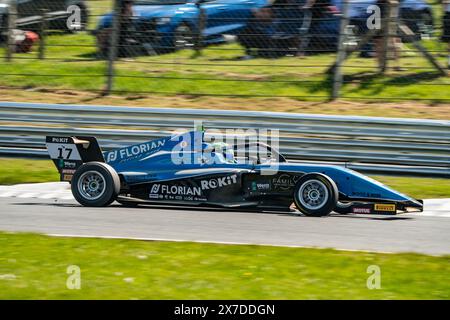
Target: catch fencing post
x: 11, y: 25
x: 390, y: 26
x: 113, y: 44
x: 198, y: 46
x: 341, y: 54
x: 43, y: 33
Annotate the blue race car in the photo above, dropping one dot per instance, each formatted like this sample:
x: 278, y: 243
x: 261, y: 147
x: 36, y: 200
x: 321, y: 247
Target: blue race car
x: 185, y: 170
x: 166, y: 25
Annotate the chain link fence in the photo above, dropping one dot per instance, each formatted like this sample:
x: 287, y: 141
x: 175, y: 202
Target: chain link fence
x: 306, y: 50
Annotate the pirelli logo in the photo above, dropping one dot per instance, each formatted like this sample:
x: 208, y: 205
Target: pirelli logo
x: 385, y: 207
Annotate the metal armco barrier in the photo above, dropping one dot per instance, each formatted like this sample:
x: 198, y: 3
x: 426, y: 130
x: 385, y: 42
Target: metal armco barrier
x: 384, y: 145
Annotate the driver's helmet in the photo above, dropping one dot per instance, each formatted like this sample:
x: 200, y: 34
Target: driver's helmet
x: 223, y: 149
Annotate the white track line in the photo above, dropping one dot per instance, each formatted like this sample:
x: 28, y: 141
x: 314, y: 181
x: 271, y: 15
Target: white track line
x: 209, y: 242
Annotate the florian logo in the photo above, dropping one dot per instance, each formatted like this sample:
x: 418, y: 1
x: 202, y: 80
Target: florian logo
x: 155, y: 188
x: 174, y: 190
x: 218, y: 182
x: 134, y: 151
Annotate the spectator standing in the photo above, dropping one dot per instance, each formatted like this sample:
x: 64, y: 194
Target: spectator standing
x: 126, y: 33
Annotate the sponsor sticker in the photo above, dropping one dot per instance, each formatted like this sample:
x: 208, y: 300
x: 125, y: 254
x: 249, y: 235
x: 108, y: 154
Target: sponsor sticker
x: 385, y: 207
x: 174, y: 190
x: 284, y: 181
x: 60, y: 139
x: 218, y: 182
x: 258, y: 186
x: 69, y: 164
x: 361, y: 210
x: 134, y: 151
x: 67, y: 177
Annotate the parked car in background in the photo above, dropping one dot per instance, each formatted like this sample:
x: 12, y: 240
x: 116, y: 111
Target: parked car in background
x: 287, y: 27
x: 166, y: 25
x: 30, y: 12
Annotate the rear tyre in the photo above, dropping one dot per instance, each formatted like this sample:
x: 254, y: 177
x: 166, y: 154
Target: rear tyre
x: 315, y: 195
x: 95, y: 184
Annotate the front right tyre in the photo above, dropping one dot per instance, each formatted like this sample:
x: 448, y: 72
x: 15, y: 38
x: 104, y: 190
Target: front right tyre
x: 315, y: 195
x: 95, y: 184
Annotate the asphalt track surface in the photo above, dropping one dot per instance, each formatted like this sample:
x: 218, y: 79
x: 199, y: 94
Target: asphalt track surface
x: 50, y: 209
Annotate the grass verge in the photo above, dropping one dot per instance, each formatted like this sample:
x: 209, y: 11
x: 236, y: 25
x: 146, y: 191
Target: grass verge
x: 419, y: 188
x: 35, y: 267
x: 14, y: 171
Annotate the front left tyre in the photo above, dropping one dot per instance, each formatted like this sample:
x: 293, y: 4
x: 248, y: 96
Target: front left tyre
x: 95, y: 184
x: 316, y: 195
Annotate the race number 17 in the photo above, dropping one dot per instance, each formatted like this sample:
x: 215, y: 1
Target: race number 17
x: 61, y: 155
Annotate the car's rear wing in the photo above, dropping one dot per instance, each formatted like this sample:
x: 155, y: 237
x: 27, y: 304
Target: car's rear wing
x: 69, y: 153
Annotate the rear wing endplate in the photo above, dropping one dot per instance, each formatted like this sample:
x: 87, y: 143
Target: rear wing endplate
x: 69, y: 153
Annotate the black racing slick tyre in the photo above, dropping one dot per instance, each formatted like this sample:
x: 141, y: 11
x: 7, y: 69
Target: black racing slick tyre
x: 127, y: 204
x: 316, y: 195
x: 343, y: 207
x: 95, y: 184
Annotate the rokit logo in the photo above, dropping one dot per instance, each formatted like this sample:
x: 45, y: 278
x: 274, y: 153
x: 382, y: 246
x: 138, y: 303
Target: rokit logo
x: 60, y: 140
x: 218, y: 182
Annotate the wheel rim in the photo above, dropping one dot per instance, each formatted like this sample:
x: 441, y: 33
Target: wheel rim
x: 313, y: 194
x: 183, y: 38
x: 91, y: 185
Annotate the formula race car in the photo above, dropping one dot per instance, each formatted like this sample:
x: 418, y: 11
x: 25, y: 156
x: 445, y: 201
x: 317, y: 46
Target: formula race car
x: 185, y: 170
